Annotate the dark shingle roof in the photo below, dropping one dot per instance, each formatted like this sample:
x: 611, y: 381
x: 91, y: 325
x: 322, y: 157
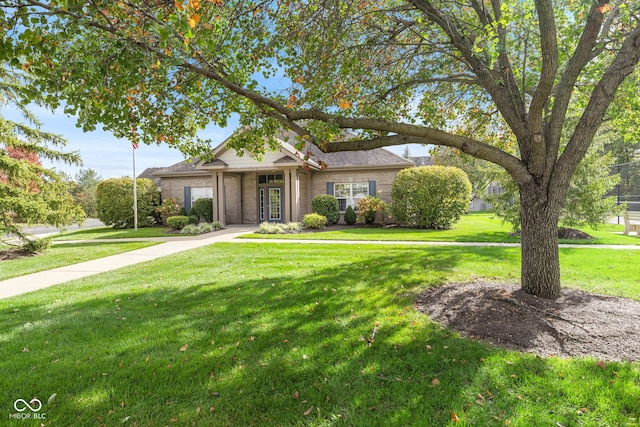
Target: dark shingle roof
x: 341, y: 159
x: 183, y: 167
x: 375, y: 157
x: 148, y: 173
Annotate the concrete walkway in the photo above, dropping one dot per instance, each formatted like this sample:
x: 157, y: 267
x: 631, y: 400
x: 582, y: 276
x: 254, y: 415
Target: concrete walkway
x: 172, y: 245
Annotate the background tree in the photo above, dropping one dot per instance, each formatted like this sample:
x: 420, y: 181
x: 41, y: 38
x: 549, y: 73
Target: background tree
x: 474, y: 75
x: 586, y: 202
x: 480, y: 172
x: 84, y: 191
x: 114, y: 202
x: 29, y: 192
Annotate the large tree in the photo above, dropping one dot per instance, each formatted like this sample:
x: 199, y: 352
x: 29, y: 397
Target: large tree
x: 477, y: 75
x: 29, y: 192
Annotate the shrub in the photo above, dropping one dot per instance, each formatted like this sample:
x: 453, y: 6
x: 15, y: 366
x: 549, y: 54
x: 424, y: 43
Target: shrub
x: 114, y: 201
x: 277, y: 228
x: 168, y: 207
x: 36, y: 246
x: 203, y: 208
x: 208, y: 227
x: 146, y: 221
x: 327, y: 206
x: 177, y: 222
x: 350, y: 216
x: 314, y: 220
x: 190, y: 229
x: 205, y: 227
x: 368, y: 207
x: 183, y: 212
x: 270, y: 228
x: 430, y: 196
x: 193, y: 219
x: 292, y: 227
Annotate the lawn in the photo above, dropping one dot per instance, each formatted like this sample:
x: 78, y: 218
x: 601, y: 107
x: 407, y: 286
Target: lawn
x: 263, y: 334
x: 476, y: 227
x: 61, y: 255
x: 112, y: 233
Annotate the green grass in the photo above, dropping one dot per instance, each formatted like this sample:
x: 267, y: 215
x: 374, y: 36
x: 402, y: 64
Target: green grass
x: 61, y: 255
x: 266, y: 334
x: 111, y: 233
x: 476, y: 227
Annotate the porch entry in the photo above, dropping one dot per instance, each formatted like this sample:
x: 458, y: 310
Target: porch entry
x: 271, y: 197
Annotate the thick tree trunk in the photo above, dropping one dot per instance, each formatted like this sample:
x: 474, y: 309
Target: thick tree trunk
x: 540, y: 259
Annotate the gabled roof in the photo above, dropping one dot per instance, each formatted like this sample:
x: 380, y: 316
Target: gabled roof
x: 375, y: 158
x: 185, y: 167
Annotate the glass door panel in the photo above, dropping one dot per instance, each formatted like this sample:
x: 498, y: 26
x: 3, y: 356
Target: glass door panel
x: 275, y: 213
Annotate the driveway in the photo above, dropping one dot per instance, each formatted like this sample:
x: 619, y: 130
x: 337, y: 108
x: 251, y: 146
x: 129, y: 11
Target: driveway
x: 41, y: 230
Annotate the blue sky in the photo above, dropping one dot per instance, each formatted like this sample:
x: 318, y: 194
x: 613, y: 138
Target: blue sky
x: 113, y: 158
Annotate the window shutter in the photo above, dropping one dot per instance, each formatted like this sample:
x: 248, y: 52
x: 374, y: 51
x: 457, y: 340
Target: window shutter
x: 187, y: 198
x: 372, y: 188
x: 330, y: 188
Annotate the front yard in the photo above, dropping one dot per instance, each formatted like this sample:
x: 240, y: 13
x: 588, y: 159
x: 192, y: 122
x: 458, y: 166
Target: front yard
x: 476, y: 227
x: 60, y: 255
x: 291, y: 334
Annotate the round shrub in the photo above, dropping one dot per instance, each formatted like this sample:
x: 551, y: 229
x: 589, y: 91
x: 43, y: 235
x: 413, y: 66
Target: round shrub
x: 368, y: 207
x: 350, y: 216
x: 314, y: 220
x: 169, y: 207
x: 114, y: 201
x: 193, y: 219
x: 327, y: 206
x: 203, y: 208
x: 430, y: 196
x: 177, y: 222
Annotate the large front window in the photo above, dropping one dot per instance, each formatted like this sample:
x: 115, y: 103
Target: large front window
x: 201, y: 193
x: 348, y: 194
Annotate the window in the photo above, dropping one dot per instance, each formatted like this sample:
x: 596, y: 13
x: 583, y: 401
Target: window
x: 276, y: 178
x: 348, y: 194
x: 201, y: 193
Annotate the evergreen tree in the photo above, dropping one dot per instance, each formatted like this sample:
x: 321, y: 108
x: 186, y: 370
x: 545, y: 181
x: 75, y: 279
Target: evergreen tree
x: 29, y: 192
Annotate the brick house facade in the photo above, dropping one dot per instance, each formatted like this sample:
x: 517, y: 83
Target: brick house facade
x: 279, y: 188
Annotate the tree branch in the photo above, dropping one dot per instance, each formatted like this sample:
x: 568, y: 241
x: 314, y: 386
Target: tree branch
x: 500, y: 85
x: 603, y: 94
x: 549, y: 50
x: 581, y: 57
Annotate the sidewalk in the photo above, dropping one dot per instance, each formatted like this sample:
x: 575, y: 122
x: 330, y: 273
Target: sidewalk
x: 44, y: 279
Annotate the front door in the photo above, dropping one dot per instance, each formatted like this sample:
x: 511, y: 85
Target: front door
x: 271, y: 204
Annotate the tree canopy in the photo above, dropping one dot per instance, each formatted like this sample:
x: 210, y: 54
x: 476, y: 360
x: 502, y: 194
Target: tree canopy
x: 495, y: 79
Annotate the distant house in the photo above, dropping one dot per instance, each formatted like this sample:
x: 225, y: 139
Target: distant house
x: 280, y: 187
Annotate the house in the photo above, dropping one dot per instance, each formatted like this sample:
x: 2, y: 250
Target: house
x: 280, y: 187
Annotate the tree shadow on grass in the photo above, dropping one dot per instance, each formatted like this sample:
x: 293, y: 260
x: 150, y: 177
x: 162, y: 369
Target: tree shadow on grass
x: 263, y: 335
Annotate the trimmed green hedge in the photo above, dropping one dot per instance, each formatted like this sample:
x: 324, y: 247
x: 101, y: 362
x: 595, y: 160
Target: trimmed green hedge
x: 327, y: 206
x: 430, y: 196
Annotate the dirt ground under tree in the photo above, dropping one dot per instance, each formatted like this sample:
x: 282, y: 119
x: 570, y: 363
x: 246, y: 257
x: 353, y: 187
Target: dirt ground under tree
x: 577, y: 324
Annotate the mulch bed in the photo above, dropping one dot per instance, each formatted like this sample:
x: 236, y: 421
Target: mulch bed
x: 577, y: 324
x: 9, y: 254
